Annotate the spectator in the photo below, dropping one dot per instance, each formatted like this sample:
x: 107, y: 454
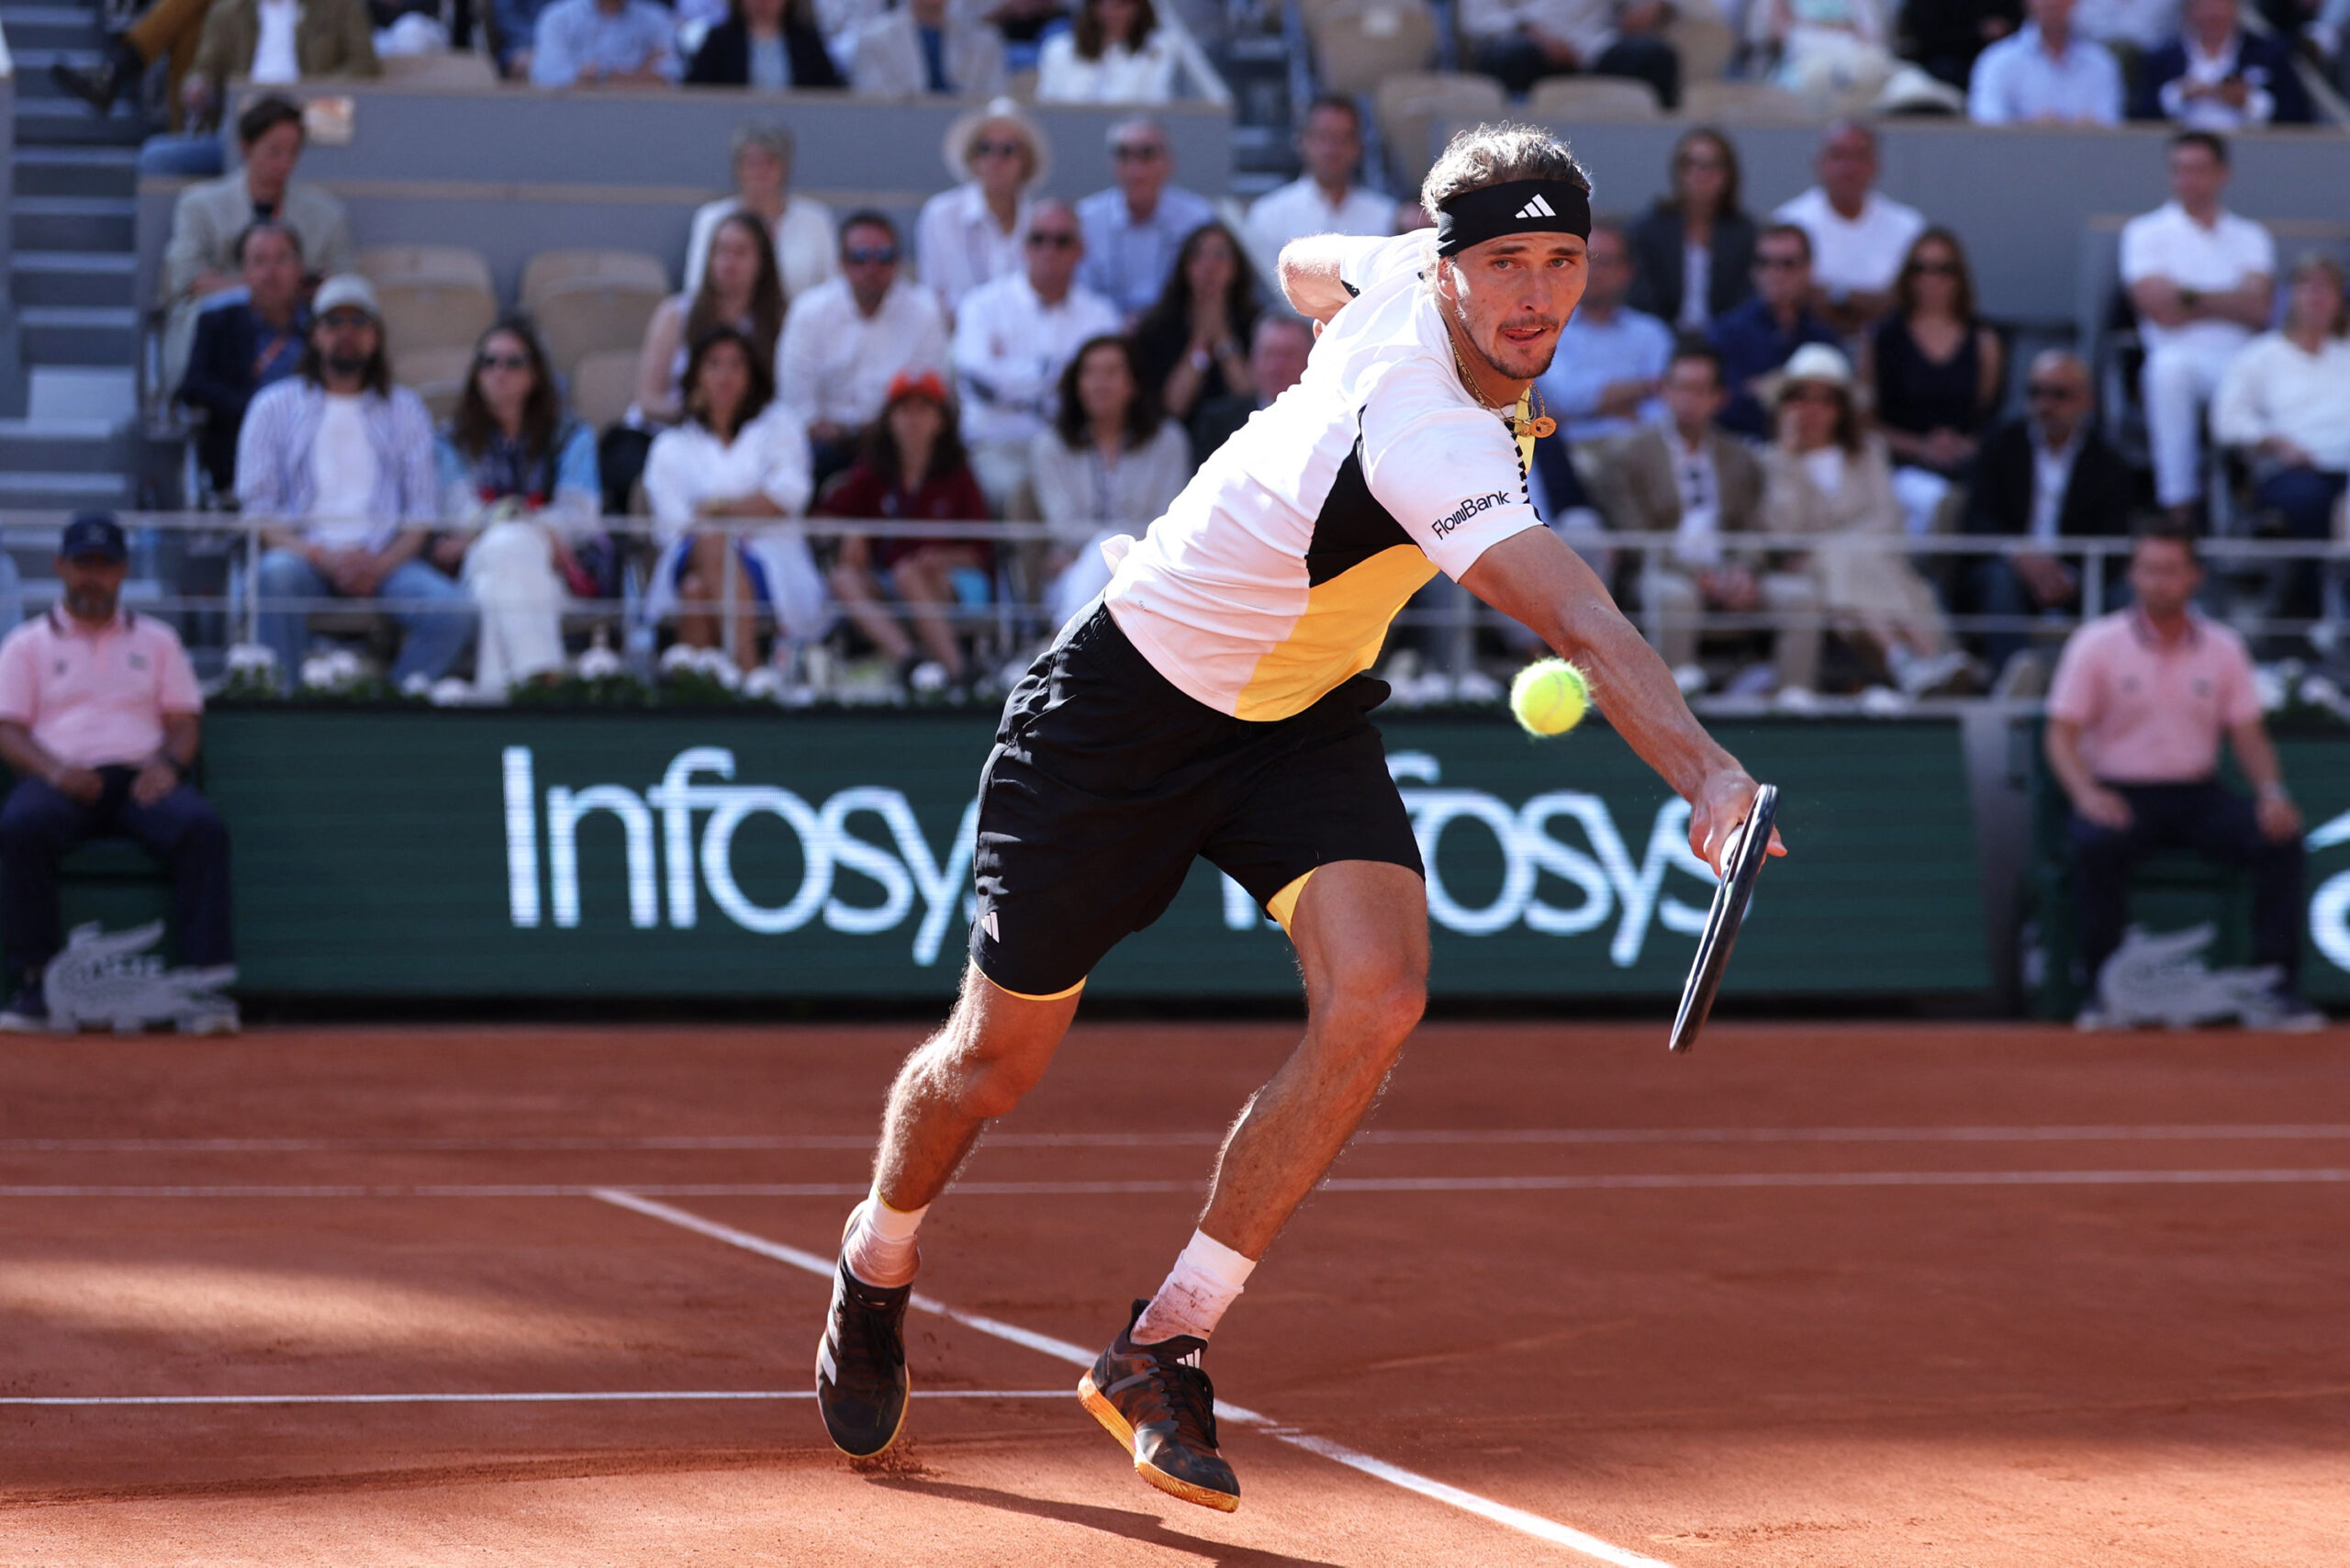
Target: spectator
x: 1687, y: 479
x: 336, y: 462
x: 513, y: 25
x: 807, y: 250
x: 1014, y: 339
x: 1115, y: 53
x: 200, y: 260
x: 1693, y: 253
x: 741, y: 287
x: 100, y: 719
x: 2046, y: 74
x: 2286, y: 400
x: 519, y: 479
x: 2045, y: 476
x: 605, y: 43
x: 276, y: 43
x: 1826, y: 476
x: 1949, y: 36
x: 1520, y: 42
x: 1186, y: 346
x: 913, y: 471
x: 2140, y: 701
x: 1859, y: 238
x: 169, y: 30
x: 974, y: 233
x: 2200, y: 279
x: 1831, y: 53
x: 927, y: 46
x: 1325, y: 199
x: 1603, y: 379
x: 845, y: 340
x: 1758, y: 337
x: 1109, y: 464
x: 2326, y: 33
x: 1133, y: 230
x: 243, y: 345
x: 740, y: 454
x: 1936, y: 371
x: 2215, y: 77
x: 772, y: 45
x: 1277, y: 354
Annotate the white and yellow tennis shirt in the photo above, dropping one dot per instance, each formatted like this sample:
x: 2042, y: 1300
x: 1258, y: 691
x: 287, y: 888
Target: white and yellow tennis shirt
x: 1274, y: 575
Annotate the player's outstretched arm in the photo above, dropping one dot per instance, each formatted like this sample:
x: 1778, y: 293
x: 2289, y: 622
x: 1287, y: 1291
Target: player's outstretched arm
x: 1533, y: 575
x: 1310, y: 272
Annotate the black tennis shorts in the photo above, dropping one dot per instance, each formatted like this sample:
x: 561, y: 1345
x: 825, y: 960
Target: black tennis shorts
x: 1106, y: 781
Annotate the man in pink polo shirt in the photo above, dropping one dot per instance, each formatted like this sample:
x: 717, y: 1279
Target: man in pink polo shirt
x: 100, y: 720
x: 2141, y: 699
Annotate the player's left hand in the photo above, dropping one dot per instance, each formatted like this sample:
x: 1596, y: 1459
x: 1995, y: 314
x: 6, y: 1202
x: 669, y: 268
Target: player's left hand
x: 1722, y: 803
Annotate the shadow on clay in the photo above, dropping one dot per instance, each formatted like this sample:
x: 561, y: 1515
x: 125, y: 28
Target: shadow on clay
x: 1124, y: 1522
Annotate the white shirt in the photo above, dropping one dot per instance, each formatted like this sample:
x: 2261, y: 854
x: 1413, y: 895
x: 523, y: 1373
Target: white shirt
x: 1010, y: 350
x: 1378, y: 464
x: 806, y: 249
x: 960, y: 245
x: 2016, y: 83
x: 1589, y: 24
x: 1122, y: 75
x: 1300, y: 208
x: 342, y: 476
x: 834, y: 363
x: 2052, y: 475
x: 1855, y: 255
x: 2144, y: 25
x: 1696, y: 286
x: 2209, y: 71
x: 273, y: 57
x: 2167, y: 242
x: 2275, y: 389
x: 690, y: 465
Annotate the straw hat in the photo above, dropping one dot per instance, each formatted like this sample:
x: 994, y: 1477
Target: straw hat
x: 998, y: 111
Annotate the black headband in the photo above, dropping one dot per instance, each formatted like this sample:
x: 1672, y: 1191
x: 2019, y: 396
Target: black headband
x: 1518, y: 207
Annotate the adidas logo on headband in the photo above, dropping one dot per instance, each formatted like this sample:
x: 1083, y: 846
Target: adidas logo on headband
x: 1512, y: 207
x: 1538, y: 207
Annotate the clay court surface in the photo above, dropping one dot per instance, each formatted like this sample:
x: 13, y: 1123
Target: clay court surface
x: 1815, y: 1294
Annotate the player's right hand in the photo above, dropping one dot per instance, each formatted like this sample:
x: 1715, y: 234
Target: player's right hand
x: 1721, y: 806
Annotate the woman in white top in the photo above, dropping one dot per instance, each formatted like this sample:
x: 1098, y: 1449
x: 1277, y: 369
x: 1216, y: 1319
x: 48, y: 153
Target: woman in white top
x: 1108, y: 465
x: 973, y: 232
x: 740, y: 454
x: 740, y: 288
x: 2286, y: 397
x: 1828, y: 475
x: 514, y: 467
x: 1115, y: 53
x: 807, y: 248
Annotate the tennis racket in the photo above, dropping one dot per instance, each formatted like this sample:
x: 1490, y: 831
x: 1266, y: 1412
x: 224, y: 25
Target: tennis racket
x: 1750, y: 846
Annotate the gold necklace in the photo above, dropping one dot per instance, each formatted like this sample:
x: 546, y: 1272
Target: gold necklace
x: 1540, y: 425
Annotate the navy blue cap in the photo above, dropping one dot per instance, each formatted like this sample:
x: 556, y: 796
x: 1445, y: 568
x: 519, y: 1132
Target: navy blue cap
x: 94, y: 534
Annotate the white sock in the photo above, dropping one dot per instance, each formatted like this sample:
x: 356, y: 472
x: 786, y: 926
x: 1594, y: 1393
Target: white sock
x: 1208, y: 1277
x: 879, y: 1247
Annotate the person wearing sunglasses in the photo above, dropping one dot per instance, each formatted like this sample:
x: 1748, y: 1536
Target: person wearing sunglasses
x: 972, y: 233
x: 518, y: 480
x: 1693, y: 253
x: 1012, y: 339
x: 1758, y: 337
x: 1936, y: 371
x: 845, y: 342
x: 1133, y: 229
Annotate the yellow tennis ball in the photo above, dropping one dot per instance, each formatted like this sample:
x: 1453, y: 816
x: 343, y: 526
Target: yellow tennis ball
x: 1549, y: 697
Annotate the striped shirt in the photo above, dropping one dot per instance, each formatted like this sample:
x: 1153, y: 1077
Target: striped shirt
x: 273, y: 475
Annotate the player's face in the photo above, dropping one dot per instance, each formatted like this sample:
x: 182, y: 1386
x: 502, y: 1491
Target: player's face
x: 1512, y: 295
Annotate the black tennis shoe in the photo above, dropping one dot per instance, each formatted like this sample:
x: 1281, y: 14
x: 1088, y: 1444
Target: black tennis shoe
x: 861, y: 1383
x: 1160, y: 1406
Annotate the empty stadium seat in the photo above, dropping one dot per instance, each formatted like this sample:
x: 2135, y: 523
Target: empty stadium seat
x: 1745, y: 103
x: 1410, y: 105
x: 1361, y: 43
x: 449, y: 69
x: 1704, y: 40
x: 1592, y: 97
x: 550, y: 267
x: 420, y: 313
x: 381, y: 264
x: 603, y: 384
x: 437, y: 374
x: 577, y: 317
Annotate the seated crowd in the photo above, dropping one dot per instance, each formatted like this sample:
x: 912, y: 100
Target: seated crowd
x: 1820, y: 369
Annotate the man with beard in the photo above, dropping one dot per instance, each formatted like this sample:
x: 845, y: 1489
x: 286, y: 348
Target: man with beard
x: 99, y: 721
x: 1213, y: 703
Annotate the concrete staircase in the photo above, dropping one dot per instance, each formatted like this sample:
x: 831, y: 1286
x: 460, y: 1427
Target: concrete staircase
x: 70, y: 282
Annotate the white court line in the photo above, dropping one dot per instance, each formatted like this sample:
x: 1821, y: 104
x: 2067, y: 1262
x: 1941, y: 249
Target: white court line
x: 2115, y: 1132
x: 595, y: 1397
x: 1502, y: 1514
x: 1633, y: 1182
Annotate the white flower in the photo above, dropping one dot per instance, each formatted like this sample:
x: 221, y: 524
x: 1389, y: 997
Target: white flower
x: 599, y: 663
x: 251, y: 658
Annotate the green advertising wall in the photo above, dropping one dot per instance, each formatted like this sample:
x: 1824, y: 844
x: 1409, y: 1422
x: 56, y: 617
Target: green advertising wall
x: 686, y: 853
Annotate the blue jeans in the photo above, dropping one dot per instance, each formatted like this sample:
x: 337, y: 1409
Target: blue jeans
x: 436, y: 620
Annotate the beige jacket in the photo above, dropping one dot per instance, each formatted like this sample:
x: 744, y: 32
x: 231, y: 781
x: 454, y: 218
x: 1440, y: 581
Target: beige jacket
x: 331, y: 38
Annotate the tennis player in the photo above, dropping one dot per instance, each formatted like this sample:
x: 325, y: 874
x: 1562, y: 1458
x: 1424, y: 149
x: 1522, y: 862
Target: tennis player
x: 1214, y: 704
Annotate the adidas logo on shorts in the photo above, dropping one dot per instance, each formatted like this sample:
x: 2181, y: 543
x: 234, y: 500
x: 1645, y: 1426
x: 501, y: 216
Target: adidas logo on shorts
x: 1538, y: 207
